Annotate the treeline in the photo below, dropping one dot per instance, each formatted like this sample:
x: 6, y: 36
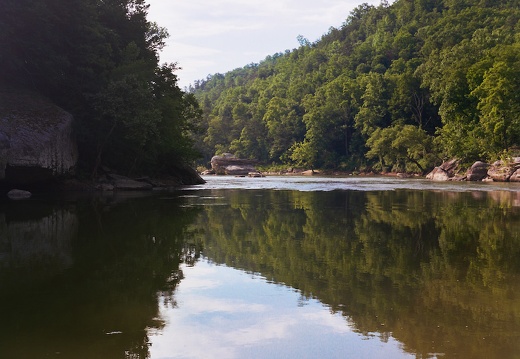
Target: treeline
x: 99, y: 61
x: 397, y: 87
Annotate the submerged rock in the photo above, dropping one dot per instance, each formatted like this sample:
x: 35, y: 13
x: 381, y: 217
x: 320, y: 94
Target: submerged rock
x: 18, y: 194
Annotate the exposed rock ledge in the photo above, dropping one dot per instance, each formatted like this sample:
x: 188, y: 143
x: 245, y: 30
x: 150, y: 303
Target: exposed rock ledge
x: 228, y: 164
x: 184, y: 175
x: 36, y: 139
x: 37, y: 144
x: 499, y: 171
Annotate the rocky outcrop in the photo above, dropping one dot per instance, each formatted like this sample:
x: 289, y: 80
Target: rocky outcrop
x: 36, y: 139
x: 438, y: 174
x: 501, y: 171
x: 515, y: 177
x: 228, y: 164
x: 185, y: 175
x: 445, y: 172
x: 478, y: 171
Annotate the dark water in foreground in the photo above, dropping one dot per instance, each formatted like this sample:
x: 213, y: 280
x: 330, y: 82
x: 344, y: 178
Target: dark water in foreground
x: 281, y: 268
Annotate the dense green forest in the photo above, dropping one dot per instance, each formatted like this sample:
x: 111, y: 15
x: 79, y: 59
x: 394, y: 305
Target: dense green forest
x: 397, y: 87
x: 99, y: 61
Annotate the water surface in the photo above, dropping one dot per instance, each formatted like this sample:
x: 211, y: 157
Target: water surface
x: 269, y: 267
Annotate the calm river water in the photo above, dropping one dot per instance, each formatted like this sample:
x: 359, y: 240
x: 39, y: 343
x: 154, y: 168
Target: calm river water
x: 275, y: 267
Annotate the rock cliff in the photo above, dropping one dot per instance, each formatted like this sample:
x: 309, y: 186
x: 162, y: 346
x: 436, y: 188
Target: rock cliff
x: 36, y: 139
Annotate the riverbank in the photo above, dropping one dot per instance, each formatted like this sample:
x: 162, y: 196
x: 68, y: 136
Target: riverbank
x: 507, y: 170
x: 107, y: 182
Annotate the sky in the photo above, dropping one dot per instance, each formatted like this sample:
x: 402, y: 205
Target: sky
x: 217, y: 36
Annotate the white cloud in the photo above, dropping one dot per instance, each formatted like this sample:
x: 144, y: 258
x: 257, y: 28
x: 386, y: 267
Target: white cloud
x: 210, y: 36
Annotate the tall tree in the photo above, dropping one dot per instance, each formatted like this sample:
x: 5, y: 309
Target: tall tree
x: 99, y: 60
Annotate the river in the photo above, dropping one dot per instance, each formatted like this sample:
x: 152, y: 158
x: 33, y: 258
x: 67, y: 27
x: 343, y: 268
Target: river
x: 274, y: 267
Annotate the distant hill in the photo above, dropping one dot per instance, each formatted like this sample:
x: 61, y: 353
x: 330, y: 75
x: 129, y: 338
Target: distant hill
x: 396, y: 87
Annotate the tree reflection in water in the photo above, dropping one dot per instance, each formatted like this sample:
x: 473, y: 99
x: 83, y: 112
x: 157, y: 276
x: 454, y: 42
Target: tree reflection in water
x: 82, y: 279
x: 438, y: 271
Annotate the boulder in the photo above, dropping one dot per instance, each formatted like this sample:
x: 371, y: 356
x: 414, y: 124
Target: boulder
x: 228, y: 164
x: 451, y: 167
x: 256, y: 174
x: 309, y: 173
x: 445, y: 172
x: 182, y: 174
x: 438, y: 174
x: 515, y: 177
x: 36, y: 139
x: 501, y: 171
x: 478, y: 171
x: 458, y: 178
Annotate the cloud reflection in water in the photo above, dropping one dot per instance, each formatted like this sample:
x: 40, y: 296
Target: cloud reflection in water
x: 222, y: 312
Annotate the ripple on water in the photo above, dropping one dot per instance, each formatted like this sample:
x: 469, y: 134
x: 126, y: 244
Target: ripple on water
x: 356, y: 183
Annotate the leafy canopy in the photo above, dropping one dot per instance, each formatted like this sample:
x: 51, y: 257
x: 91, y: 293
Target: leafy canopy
x: 399, y: 86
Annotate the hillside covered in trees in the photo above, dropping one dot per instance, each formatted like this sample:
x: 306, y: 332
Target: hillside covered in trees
x: 397, y: 87
x: 99, y: 61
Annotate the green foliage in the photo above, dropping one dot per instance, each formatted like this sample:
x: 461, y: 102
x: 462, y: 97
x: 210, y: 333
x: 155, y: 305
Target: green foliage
x: 455, y: 73
x: 446, y: 68
x: 499, y: 99
x: 304, y: 153
x: 99, y: 61
x: 406, y: 148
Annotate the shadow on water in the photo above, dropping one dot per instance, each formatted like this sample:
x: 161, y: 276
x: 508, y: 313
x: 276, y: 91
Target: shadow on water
x: 81, y: 278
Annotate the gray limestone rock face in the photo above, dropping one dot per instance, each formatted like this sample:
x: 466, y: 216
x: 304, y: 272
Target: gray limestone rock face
x: 36, y: 139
